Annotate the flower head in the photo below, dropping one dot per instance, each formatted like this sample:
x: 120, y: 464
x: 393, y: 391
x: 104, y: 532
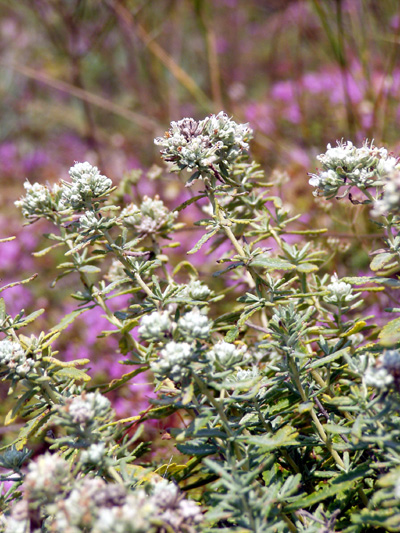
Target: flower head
x: 194, y: 325
x: 173, y: 361
x: 204, y: 145
x: 151, y: 217
x: 345, y: 164
x: 40, y: 200
x: 87, y: 185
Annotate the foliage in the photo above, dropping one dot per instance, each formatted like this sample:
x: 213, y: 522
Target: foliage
x: 289, y: 402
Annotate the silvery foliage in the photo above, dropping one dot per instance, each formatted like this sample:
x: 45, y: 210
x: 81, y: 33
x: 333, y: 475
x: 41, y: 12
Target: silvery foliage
x: 14, y: 362
x: 151, y: 217
x: 207, y: 145
x: 87, y: 185
x: 288, y: 397
x: 40, y: 199
x: 347, y: 165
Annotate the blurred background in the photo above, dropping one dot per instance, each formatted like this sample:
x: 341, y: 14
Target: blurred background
x: 97, y: 80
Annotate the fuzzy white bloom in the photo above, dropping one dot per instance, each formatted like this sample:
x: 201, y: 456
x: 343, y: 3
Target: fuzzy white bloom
x: 87, y: 185
x: 86, y: 407
x: 339, y: 292
x: 205, y: 144
x: 89, y: 222
x: 94, y: 454
x: 385, y: 372
x: 224, y: 354
x: 13, y: 359
x: 390, y: 202
x: 345, y: 164
x: 166, y: 494
x: 39, y: 200
x: 247, y: 375
x: 132, y: 517
x: 150, y: 217
x: 194, y: 325
x: 116, y: 271
x: 196, y: 290
x: 174, y: 360
x: 378, y: 377
x: 46, y: 477
x: 156, y: 326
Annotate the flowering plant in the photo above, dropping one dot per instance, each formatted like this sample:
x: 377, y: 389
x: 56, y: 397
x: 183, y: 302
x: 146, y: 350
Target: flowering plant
x: 288, y: 398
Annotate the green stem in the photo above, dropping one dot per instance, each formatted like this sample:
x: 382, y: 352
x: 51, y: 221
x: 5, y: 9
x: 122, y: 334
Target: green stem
x: 318, y: 425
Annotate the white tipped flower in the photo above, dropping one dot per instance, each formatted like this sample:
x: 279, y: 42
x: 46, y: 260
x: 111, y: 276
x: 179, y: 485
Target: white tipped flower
x: 85, y: 408
x: 94, y: 454
x: 13, y: 359
x: 345, y: 164
x: 46, y: 477
x: 194, y: 325
x: 150, y: 217
x: 339, y: 292
x: 87, y: 185
x: 204, y: 145
x: 156, y: 326
x: 390, y: 202
x: 40, y: 200
x: 247, y: 375
x: 378, y: 377
x: 173, y: 361
x: 385, y: 372
x: 196, y: 290
x: 224, y: 355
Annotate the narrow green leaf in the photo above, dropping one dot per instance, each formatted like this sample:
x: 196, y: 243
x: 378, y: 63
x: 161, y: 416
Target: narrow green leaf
x: 380, y: 260
x: 72, y: 372
x: 68, y: 319
x: 271, y: 263
x: 89, y: 269
x: 203, y: 240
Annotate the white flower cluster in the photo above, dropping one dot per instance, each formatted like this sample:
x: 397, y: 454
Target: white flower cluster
x: 87, y: 185
x: 194, y: 325
x: 390, y: 201
x: 199, y: 145
x: 224, y: 355
x: 13, y: 359
x: 345, y: 164
x: 85, y: 408
x: 173, y: 361
x: 339, y: 292
x: 116, y: 271
x: 94, y: 454
x: 46, y: 477
x: 39, y: 199
x: 156, y: 326
x: 150, y: 217
x: 247, y: 375
x: 92, y: 505
x: 89, y: 223
x: 386, y: 371
x: 196, y: 290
